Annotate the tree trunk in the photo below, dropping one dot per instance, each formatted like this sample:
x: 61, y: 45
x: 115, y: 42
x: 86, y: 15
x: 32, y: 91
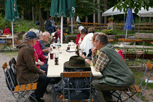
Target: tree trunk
x: 40, y: 19
x: 105, y: 8
x: 94, y: 15
x: 86, y: 19
x: 99, y: 14
x: 22, y: 15
x: 33, y: 14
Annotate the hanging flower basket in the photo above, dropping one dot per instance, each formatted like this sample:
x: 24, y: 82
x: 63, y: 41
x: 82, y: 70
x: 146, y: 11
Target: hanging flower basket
x: 111, y: 19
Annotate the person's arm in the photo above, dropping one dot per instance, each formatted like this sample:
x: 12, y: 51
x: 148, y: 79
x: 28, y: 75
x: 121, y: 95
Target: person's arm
x: 28, y: 57
x: 101, y: 61
x: 38, y: 49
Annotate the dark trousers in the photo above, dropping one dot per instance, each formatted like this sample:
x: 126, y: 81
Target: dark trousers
x: 44, y: 67
x: 41, y: 86
x: 103, y: 90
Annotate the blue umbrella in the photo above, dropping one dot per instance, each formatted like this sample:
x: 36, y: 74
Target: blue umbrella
x: 129, y: 21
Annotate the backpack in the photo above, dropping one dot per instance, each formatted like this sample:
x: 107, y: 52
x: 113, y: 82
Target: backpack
x: 73, y: 83
x: 11, y: 80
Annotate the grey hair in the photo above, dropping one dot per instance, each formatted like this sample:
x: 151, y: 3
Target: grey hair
x: 25, y: 38
x: 103, y: 39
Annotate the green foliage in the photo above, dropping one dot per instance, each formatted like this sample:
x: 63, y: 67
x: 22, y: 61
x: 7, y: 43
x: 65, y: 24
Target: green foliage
x: 24, y: 25
x: 133, y: 4
x: 4, y: 23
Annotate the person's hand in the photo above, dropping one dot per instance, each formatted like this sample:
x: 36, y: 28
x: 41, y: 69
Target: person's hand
x: 40, y: 63
x: 83, y: 56
x: 46, y: 57
x: 94, y: 51
x: 43, y: 72
x: 48, y: 49
x: 88, y: 61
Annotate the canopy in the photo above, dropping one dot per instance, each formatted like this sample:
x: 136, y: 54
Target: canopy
x: 11, y: 13
x: 142, y: 13
x: 110, y: 12
x: 62, y: 8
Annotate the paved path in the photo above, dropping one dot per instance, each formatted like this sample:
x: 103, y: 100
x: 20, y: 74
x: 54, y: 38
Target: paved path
x: 5, y: 94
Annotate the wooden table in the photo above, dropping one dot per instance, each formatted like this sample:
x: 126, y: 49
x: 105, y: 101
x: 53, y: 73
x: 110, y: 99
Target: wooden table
x: 55, y: 70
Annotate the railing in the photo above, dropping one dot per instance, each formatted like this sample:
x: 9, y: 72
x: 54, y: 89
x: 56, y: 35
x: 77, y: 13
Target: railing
x: 146, y: 27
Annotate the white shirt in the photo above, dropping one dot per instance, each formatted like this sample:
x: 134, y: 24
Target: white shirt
x: 87, y: 43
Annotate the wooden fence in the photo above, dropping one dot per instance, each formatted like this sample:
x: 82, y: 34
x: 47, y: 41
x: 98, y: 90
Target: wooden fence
x: 145, y: 27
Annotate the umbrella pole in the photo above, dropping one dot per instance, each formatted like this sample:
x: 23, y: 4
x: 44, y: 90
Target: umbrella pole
x: 126, y: 34
x: 61, y: 29
x: 12, y: 34
x: 72, y: 25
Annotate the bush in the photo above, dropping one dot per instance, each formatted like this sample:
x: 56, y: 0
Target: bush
x: 18, y: 25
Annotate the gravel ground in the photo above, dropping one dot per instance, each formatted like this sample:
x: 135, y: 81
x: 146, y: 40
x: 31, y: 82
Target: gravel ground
x: 6, y: 96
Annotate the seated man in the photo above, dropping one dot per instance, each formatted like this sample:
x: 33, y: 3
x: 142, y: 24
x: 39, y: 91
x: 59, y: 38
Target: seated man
x: 114, y: 70
x: 27, y: 72
x: 42, y: 42
x: 38, y: 47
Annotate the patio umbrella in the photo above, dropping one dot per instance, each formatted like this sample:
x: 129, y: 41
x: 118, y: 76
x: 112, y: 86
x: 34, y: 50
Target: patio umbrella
x: 129, y: 21
x: 11, y: 14
x: 62, y: 8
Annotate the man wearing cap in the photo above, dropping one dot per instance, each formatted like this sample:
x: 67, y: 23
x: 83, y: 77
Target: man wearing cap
x: 115, y: 72
x: 79, y: 39
x: 27, y: 72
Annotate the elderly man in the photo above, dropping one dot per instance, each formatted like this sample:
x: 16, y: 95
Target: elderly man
x: 116, y: 74
x: 27, y: 72
x: 39, y: 48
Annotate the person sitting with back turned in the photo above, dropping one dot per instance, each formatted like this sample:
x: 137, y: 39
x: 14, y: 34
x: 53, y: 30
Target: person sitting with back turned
x: 48, y: 26
x: 27, y: 72
x: 115, y: 72
x: 7, y: 31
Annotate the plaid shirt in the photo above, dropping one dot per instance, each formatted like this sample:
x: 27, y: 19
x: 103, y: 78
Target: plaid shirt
x: 100, y: 62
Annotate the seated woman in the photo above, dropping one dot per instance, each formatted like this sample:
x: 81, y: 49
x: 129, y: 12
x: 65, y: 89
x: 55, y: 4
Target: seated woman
x: 7, y: 31
x: 79, y: 39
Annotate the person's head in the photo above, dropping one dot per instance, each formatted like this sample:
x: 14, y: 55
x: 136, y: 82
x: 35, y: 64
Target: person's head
x: 83, y: 33
x: 51, y: 18
x: 91, y: 30
x: 38, y: 32
x: 101, y: 41
x: 80, y: 28
x: 58, y: 28
x: 46, y: 36
x: 31, y: 38
x: 6, y: 27
x: 94, y: 39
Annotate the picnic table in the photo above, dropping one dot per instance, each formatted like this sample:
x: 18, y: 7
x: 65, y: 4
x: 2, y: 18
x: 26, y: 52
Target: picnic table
x: 5, y: 41
x: 55, y: 70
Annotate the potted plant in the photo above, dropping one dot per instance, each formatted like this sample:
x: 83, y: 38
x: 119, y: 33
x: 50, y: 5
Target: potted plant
x: 110, y: 19
x: 109, y: 32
